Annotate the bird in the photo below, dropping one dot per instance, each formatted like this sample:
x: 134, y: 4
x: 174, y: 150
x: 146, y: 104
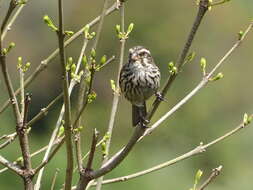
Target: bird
x: 139, y: 80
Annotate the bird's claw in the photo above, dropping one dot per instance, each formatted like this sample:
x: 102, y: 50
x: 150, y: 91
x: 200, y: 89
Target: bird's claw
x: 160, y: 97
x: 143, y: 122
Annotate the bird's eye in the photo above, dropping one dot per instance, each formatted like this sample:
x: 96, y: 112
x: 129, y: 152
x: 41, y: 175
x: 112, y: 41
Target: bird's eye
x: 142, y: 54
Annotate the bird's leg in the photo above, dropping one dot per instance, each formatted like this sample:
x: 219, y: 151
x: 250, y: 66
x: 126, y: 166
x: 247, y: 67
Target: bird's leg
x: 160, y: 97
x: 143, y: 121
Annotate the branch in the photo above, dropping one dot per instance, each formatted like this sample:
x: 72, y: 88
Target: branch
x: 12, y: 20
x: 198, y: 150
x: 89, y: 91
x: 204, y: 81
x: 84, y: 174
x: 214, y: 174
x: 46, y: 61
x: 44, y: 162
x: 203, y: 7
x: 54, y: 179
x: 115, y: 96
x: 120, y: 155
x: 81, y: 94
x: 65, y: 87
x: 43, y: 112
x: 56, y: 142
x: 11, y: 166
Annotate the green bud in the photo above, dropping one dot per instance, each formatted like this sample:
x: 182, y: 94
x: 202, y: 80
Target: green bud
x: 103, y: 60
x: 118, y: 30
x: 203, y: 65
x: 190, y: 57
x: 69, y: 63
x: 197, y: 178
x: 210, y: 2
x: 5, y: 51
x: 91, y: 97
x: 69, y: 33
x: 103, y: 148
x: 26, y: 66
x: 22, y: 2
x: 93, y: 53
x: 20, y: 62
x: 246, y: 119
x: 92, y: 34
x: 113, y: 85
x: 174, y: 70
x: 73, y: 68
x: 50, y: 23
x: 217, y: 77
x: 170, y: 65
x: 130, y: 28
x: 86, y: 31
x: 198, y: 175
x: 61, y: 131
x: 240, y: 35
x: 84, y: 61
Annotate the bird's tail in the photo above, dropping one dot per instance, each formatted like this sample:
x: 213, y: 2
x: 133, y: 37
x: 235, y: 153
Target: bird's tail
x: 138, y: 114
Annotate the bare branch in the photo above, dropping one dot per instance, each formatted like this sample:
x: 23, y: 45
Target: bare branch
x: 214, y: 174
x: 54, y: 179
x: 45, y: 62
x: 11, y: 166
x: 198, y: 150
x: 203, y: 7
x: 65, y: 87
x: 115, y: 96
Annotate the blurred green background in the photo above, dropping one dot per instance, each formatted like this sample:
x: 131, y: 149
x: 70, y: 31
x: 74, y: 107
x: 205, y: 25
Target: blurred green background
x: 161, y: 26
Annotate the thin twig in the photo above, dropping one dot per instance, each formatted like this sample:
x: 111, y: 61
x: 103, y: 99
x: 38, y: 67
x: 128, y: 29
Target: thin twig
x: 84, y: 174
x: 203, y: 7
x: 11, y: 166
x: 12, y: 20
x: 65, y: 87
x: 204, y: 81
x: 214, y: 174
x: 44, y: 162
x: 58, y: 123
x: 43, y: 112
x: 89, y: 92
x: 46, y: 61
x: 54, y: 179
x: 22, y: 92
x: 199, y: 149
x: 81, y: 94
x: 56, y: 142
x: 120, y: 155
x: 115, y: 97
x: 92, y: 150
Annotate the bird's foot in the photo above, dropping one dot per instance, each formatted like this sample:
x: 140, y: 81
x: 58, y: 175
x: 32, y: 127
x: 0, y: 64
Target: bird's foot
x: 143, y: 122
x: 160, y: 97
